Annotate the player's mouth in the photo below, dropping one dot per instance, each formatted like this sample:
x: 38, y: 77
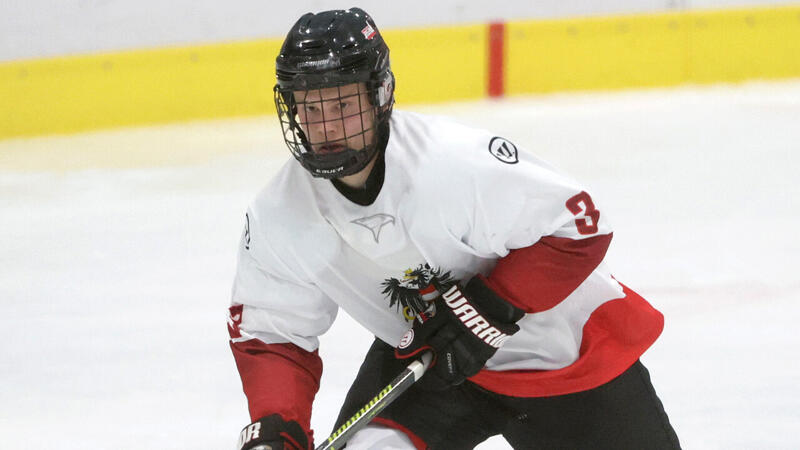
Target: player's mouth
x: 330, y: 148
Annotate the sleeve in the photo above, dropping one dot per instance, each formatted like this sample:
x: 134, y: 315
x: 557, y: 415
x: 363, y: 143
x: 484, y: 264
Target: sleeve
x: 543, y: 228
x: 538, y: 277
x: 275, y: 319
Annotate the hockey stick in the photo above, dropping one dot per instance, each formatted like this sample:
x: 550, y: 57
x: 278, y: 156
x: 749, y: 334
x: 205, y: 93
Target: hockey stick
x: 360, y: 419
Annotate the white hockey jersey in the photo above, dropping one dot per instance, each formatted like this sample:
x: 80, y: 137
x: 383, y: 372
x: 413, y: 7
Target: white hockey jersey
x: 462, y: 200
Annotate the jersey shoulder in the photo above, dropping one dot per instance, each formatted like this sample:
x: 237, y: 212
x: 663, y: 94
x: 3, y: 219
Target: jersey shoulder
x: 482, y: 184
x: 284, y: 222
x: 434, y: 137
x: 451, y: 158
x: 434, y: 149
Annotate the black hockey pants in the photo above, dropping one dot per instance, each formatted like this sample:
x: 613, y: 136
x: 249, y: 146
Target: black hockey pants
x: 623, y: 414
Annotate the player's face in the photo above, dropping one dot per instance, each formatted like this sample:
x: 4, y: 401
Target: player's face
x: 336, y: 118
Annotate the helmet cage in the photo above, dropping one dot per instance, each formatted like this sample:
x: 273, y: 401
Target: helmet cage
x: 360, y: 127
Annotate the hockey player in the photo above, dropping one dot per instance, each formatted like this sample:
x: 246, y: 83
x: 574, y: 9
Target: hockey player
x: 397, y: 217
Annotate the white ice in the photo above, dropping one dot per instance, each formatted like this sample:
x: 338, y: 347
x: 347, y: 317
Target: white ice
x: 117, y: 252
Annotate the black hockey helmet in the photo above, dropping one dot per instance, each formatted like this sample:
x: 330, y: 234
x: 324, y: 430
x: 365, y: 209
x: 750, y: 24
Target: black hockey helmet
x: 333, y: 49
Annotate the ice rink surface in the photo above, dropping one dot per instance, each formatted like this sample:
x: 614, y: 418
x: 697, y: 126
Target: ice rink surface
x: 117, y: 253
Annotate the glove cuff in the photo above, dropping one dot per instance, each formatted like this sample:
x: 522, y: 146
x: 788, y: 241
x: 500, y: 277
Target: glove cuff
x: 273, y: 431
x: 490, y: 302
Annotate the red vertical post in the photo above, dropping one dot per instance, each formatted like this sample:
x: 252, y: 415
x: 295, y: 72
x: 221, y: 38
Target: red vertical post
x: 496, y: 58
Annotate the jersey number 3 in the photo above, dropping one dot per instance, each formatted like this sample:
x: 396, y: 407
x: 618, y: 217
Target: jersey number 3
x: 582, y: 206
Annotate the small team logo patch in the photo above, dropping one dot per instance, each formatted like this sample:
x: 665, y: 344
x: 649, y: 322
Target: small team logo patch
x: 407, y: 339
x: 368, y: 32
x: 503, y: 150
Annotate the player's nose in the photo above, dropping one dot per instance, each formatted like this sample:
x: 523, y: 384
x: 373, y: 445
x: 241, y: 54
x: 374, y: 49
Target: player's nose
x: 330, y: 129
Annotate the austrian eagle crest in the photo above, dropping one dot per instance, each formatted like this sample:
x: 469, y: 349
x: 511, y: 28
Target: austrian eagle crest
x: 416, y: 289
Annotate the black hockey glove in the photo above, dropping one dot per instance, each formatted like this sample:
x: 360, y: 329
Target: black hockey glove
x: 465, y: 329
x: 273, y: 433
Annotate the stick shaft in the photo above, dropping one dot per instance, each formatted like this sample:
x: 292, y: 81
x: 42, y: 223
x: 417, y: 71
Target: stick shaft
x: 387, y: 395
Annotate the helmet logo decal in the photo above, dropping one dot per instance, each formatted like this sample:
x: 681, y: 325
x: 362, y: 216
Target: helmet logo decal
x: 503, y: 150
x: 385, y: 90
x: 375, y: 223
x: 321, y: 64
x: 368, y: 32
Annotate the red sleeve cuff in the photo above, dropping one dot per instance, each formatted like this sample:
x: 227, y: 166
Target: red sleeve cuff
x: 278, y: 378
